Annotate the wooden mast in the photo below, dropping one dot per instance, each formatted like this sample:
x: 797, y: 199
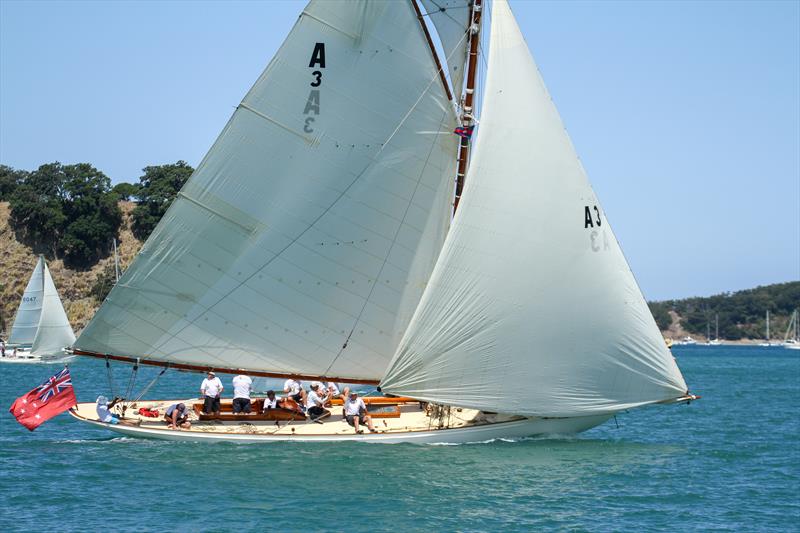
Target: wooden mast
x: 467, y: 117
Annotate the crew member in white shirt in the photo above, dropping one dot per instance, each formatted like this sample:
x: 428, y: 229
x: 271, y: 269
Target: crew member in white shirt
x: 211, y: 389
x: 315, y: 402
x: 355, y: 412
x: 272, y: 401
x: 294, y: 391
x: 242, y: 387
x: 334, y: 392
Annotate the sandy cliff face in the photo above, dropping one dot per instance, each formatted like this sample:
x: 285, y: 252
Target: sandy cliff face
x: 74, y: 286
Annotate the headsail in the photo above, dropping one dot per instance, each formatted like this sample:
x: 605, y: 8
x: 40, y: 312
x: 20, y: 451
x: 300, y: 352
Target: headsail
x: 30, y: 308
x: 532, y: 308
x: 54, y: 332
x: 303, y: 241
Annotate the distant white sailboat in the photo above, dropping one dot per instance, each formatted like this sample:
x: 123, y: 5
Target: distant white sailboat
x: 715, y: 341
x: 791, y: 340
x: 767, y: 343
x: 41, y: 330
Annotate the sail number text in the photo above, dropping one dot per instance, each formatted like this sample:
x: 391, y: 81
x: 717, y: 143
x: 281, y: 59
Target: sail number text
x: 598, y: 239
x: 317, y: 63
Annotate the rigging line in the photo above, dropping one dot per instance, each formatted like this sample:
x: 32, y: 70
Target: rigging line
x: 152, y: 382
x: 408, y: 114
x: 132, y: 379
x: 394, y: 239
x: 110, y: 378
x: 316, y: 220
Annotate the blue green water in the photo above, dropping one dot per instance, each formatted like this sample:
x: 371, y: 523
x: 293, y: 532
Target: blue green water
x: 728, y: 462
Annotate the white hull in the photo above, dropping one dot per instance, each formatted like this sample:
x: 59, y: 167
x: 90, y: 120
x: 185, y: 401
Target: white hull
x: 26, y: 357
x: 508, y: 429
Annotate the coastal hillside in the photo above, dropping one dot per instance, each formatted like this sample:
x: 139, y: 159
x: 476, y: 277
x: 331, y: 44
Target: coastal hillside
x: 740, y: 315
x: 80, y: 290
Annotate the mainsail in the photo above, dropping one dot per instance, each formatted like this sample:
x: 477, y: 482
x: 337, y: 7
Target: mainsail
x: 305, y: 238
x: 532, y: 308
x: 451, y: 20
x: 54, y: 332
x: 26, y: 321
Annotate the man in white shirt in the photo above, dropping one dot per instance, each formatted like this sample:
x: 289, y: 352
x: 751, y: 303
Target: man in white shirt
x: 242, y: 387
x: 294, y: 391
x: 211, y: 389
x: 334, y: 392
x: 314, y: 403
x: 355, y: 412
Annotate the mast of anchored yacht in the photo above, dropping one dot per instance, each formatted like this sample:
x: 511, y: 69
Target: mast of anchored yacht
x: 467, y: 109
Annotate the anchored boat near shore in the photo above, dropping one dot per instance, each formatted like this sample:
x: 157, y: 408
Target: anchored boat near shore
x: 322, y: 237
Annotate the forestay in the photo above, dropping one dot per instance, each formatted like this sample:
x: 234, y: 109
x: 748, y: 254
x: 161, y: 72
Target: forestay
x: 30, y: 308
x: 303, y: 241
x: 532, y: 308
x: 451, y: 18
x: 54, y: 332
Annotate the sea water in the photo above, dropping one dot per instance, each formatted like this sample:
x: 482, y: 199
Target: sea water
x: 730, y: 461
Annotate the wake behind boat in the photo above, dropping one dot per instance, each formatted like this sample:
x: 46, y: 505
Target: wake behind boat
x: 322, y: 238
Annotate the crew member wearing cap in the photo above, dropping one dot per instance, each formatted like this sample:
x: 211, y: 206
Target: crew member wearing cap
x: 355, y: 412
x: 211, y: 389
x: 177, y: 416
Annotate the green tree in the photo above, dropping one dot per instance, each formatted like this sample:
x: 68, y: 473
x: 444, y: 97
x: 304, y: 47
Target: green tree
x: 126, y: 191
x: 69, y: 209
x: 93, y: 216
x: 661, y: 314
x: 103, y: 283
x: 158, y: 187
x: 9, y: 181
x: 36, y: 207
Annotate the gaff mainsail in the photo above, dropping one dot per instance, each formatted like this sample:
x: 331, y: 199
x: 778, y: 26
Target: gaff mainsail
x: 303, y: 241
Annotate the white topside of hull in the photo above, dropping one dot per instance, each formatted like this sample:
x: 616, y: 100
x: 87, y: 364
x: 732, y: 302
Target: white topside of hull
x: 413, y: 426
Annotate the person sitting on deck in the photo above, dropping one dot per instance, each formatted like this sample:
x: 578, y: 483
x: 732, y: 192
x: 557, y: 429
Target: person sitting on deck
x: 334, y: 392
x: 211, y: 388
x: 315, y: 402
x: 355, y: 412
x: 177, y: 416
x: 295, y: 392
x: 104, y: 413
x: 242, y: 387
x: 272, y: 401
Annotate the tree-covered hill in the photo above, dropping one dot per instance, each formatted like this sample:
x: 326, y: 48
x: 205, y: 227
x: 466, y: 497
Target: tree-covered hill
x: 72, y: 215
x: 742, y: 314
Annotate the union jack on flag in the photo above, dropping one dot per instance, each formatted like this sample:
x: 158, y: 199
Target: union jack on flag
x: 54, y: 385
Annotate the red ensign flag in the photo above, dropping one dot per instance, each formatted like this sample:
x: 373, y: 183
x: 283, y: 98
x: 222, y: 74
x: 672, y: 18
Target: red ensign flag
x: 52, y: 397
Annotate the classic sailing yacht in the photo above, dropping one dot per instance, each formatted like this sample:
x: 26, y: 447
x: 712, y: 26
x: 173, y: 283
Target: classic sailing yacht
x: 317, y: 240
x: 41, y: 330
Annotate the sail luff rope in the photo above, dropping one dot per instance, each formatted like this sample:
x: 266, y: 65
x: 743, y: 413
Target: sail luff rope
x: 317, y: 219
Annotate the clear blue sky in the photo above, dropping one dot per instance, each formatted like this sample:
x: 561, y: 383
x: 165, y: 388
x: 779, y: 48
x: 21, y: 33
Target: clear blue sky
x: 686, y: 114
